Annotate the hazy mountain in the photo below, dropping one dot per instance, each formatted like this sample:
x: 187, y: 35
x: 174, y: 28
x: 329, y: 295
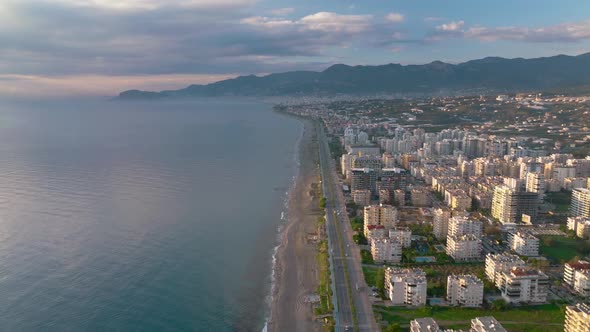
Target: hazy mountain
x: 491, y: 73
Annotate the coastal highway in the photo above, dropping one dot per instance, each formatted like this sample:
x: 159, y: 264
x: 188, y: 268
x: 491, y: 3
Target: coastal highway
x: 352, y: 310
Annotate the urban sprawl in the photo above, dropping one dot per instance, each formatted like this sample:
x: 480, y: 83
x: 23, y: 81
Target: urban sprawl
x: 470, y: 213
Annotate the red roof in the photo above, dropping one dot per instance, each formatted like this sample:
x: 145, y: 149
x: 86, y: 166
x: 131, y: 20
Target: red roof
x: 371, y: 227
x: 580, y: 266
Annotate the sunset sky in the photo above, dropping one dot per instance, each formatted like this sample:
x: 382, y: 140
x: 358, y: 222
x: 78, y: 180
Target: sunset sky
x: 100, y: 47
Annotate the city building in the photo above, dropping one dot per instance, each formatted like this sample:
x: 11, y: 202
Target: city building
x: 523, y: 243
x: 580, y: 225
x: 394, y: 178
x: 497, y: 264
x: 524, y: 285
x: 486, y: 324
x: 440, y: 222
x: 577, y: 277
x: 464, y: 247
x: 508, y: 205
x: 375, y: 232
x: 577, y: 318
x: 406, y: 286
x: 399, y: 197
x: 372, y: 162
x: 464, y: 290
x: 384, y: 215
x: 420, y: 197
x: 580, y: 206
x: 535, y: 182
x: 426, y: 324
x: 461, y: 225
x: 386, y: 250
x: 459, y: 200
x: 403, y: 235
x: 363, y: 179
x: 361, y: 197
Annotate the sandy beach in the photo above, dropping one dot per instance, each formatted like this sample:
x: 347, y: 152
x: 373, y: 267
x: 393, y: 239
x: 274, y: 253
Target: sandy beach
x: 296, y: 266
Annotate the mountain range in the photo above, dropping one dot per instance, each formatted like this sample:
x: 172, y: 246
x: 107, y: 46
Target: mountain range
x: 491, y: 74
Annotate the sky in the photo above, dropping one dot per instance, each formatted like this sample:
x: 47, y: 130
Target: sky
x: 101, y: 47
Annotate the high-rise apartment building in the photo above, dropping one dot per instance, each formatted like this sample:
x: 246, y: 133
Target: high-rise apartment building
x: 363, y: 179
x: 406, y: 286
x: 497, y: 264
x: 464, y: 290
x: 384, y: 215
x: 386, y: 250
x: 580, y: 206
x: 577, y: 318
x: 440, y: 222
x: 523, y: 243
x: 461, y: 225
x: 524, y: 285
x: 464, y: 248
x: 508, y: 205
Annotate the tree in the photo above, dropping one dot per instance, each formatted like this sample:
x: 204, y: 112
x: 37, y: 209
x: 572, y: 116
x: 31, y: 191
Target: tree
x: 380, y: 281
x: 499, y: 305
x: 393, y: 327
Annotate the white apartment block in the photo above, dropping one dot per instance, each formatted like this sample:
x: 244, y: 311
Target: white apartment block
x: 524, y: 285
x: 524, y: 243
x: 508, y: 205
x: 402, y: 235
x: 580, y: 225
x: 486, y: 324
x: 461, y: 225
x: 498, y: 264
x: 535, y: 182
x: 577, y: 277
x: 375, y: 232
x: 464, y: 248
x: 440, y: 222
x: 384, y: 215
x: 582, y: 283
x: 386, y: 250
x: 577, y: 318
x: 406, y: 286
x: 464, y: 290
x: 580, y: 206
x: 426, y: 324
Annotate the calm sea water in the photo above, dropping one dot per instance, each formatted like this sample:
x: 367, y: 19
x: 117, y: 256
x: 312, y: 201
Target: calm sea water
x: 140, y: 216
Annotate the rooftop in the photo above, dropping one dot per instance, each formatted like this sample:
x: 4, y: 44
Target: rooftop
x: 489, y: 323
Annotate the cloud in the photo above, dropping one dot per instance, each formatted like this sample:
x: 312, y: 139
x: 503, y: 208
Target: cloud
x: 282, y: 11
x: 95, y: 85
x: 63, y: 42
x: 395, y: 17
x: 153, y: 4
x: 332, y: 22
x: 564, y: 32
x: 453, y: 26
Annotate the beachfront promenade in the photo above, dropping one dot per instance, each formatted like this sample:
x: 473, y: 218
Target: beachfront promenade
x: 353, y: 310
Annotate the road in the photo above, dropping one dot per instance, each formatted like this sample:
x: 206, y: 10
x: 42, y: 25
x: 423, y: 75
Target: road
x: 353, y: 311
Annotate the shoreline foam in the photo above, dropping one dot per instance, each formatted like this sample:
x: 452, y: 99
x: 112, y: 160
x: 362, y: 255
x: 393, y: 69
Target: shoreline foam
x: 281, y: 229
x: 294, y: 265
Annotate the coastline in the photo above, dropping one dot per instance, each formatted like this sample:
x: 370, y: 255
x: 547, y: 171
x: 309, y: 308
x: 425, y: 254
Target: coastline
x: 295, y: 265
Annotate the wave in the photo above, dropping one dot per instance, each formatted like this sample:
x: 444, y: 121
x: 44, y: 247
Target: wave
x: 281, y: 228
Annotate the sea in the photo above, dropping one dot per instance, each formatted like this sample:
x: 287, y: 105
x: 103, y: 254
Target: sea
x: 141, y: 216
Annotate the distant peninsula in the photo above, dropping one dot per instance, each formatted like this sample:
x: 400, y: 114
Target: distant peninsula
x: 491, y: 74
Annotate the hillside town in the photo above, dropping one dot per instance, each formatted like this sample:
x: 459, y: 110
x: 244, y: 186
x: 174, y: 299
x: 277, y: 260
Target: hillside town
x: 482, y: 216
